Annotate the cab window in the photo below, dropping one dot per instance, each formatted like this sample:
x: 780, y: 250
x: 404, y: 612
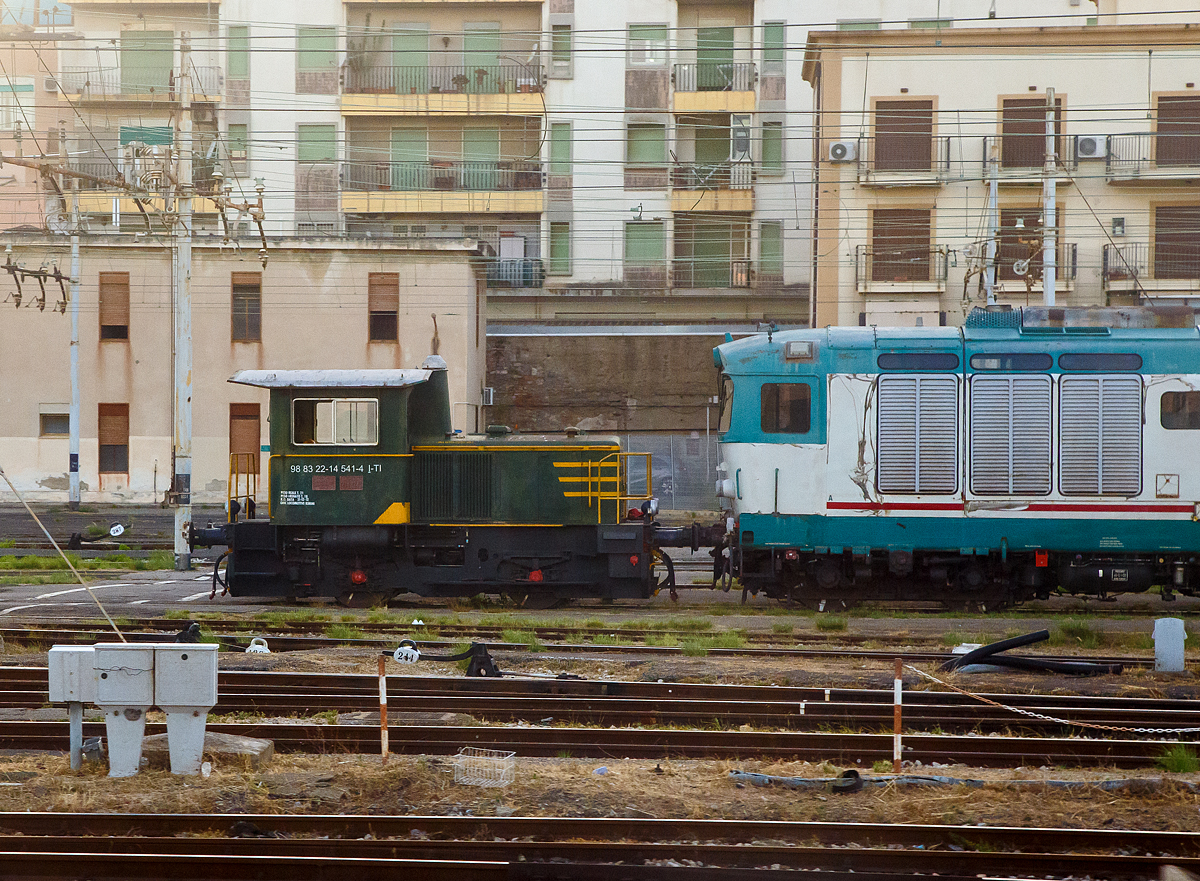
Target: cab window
x: 726, y: 402
x: 786, y: 408
x: 335, y: 421
x: 1180, y: 410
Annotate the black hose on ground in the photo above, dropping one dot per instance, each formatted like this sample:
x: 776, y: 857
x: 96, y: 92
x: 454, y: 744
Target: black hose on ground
x: 977, y: 656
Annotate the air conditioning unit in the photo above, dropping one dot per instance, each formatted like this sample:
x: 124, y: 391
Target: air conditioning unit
x: 489, y: 396
x: 1090, y: 147
x: 50, y: 84
x: 843, y: 151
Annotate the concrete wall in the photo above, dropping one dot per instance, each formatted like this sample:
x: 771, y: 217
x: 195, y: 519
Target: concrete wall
x: 314, y: 314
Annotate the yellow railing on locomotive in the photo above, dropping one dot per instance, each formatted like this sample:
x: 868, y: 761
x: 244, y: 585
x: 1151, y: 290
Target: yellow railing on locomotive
x: 608, y: 480
x: 243, y: 483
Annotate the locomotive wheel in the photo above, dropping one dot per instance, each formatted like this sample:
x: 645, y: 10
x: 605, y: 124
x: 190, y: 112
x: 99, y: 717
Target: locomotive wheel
x: 363, y: 599
x: 537, y: 601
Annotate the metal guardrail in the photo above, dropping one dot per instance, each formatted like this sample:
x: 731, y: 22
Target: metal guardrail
x: 453, y: 176
x: 108, y: 82
x: 1133, y: 262
x: 1131, y: 155
x: 714, y: 273
x: 918, y: 167
x: 1010, y: 256
x: 501, y: 79
x: 890, y: 265
x: 522, y: 272
x: 737, y: 76
x: 1025, y: 156
x: 1128, y: 261
x: 721, y: 176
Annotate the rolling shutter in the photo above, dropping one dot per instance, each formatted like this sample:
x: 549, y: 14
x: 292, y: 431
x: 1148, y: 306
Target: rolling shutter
x: 114, y: 298
x: 918, y: 434
x: 1010, y: 435
x: 383, y: 291
x: 1100, y: 446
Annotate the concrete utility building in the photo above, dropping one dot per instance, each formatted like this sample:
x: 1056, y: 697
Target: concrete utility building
x: 912, y: 132
x: 315, y: 305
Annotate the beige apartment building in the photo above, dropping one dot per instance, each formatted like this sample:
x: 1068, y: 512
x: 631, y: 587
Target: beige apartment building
x: 913, y: 130
x: 316, y: 304
x: 29, y: 124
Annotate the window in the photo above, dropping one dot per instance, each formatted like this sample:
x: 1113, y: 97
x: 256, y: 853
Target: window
x: 725, y: 414
x: 114, y: 305
x: 244, y: 437
x: 1179, y: 410
x: 560, y: 50
x: 770, y: 247
x: 1010, y: 435
x: 772, y: 148
x: 238, y: 142
x: 16, y: 102
x: 918, y: 435
x: 647, y: 45
x: 560, y: 248
x: 1176, y: 244
x: 237, y: 61
x: 786, y: 408
x: 335, y: 421
x: 246, y: 307
x: 1023, y: 126
x: 146, y: 61
x: 917, y: 361
x: 932, y: 23
x: 560, y: 148
x: 317, y: 49
x: 54, y: 424
x: 774, y: 42
x: 645, y: 244
x: 646, y: 144
x: 903, y: 135
x: 1100, y: 435
x: 1100, y: 361
x: 859, y: 24
x: 317, y: 143
x: 383, y: 307
x: 900, y: 244
x: 1012, y: 361
x: 1178, y: 130
x: 113, y: 434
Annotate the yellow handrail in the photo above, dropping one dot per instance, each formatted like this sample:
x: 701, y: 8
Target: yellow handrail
x: 243, y: 469
x: 596, y: 479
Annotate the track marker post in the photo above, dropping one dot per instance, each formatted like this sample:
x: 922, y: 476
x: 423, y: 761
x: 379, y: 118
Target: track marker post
x: 899, y: 697
x: 383, y: 729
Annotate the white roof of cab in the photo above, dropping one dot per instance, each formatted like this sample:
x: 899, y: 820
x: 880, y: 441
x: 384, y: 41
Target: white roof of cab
x: 330, y: 378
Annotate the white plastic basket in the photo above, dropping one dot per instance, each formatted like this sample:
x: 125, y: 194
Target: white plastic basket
x: 474, y: 766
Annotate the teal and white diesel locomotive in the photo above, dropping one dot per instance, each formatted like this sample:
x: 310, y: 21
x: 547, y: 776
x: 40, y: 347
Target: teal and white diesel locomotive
x: 1030, y: 450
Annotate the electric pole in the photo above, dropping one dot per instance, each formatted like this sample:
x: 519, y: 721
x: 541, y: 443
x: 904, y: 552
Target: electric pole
x: 73, y: 449
x: 181, y: 285
x: 1049, y: 207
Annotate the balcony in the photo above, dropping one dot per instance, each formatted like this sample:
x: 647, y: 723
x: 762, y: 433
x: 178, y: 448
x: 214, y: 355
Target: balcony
x: 697, y: 273
x: 523, y: 272
x: 1135, y: 267
x: 1019, y: 268
x: 1152, y: 158
x: 1022, y: 161
x: 899, y: 270
x: 444, y: 90
x: 442, y: 186
x: 97, y: 198
x: 921, y: 163
x: 714, y: 88
x: 724, y: 186
x: 108, y: 84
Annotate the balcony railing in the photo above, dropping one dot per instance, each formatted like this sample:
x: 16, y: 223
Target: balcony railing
x: 1157, y: 154
x: 523, y: 272
x: 712, y: 273
x: 202, y: 175
x: 1131, y: 264
x: 461, y: 175
x: 899, y: 265
x: 721, y: 176
x: 1125, y: 263
x: 489, y: 80
x: 1014, y: 256
x: 712, y: 77
x: 107, y: 82
x: 1025, y: 155
x: 916, y: 163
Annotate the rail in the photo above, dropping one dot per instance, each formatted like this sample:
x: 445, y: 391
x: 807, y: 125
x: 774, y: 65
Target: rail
x: 899, y: 264
x: 1126, y: 262
x: 917, y: 160
x: 243, y: 484
x: 488, y: 79
x: 1131, y: 155
x: 713, y: 273
x: 448, y: 175
x: 1011, y: 256
x: 1024, y: 155
x: 715, y: 176
x: 114, y: 82
x: 704, y: 76
x: 522, y: 272
x: 605, y: 486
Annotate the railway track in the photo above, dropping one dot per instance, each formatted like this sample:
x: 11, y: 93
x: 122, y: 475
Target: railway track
x: 654, y: 704
x: 523, y: 847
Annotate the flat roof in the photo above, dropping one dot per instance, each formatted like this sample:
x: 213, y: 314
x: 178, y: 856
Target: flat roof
x: 330, y: 378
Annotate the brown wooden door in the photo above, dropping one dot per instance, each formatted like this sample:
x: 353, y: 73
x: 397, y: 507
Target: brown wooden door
x: 244, y: 434
x: 903, y: 135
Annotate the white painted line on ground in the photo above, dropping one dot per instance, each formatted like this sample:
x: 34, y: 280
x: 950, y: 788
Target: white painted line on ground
x: 138, y: 602
x: 194, y: 596
x: 202, y: 578
x: 166, y: 582
x: 39, y: 605
x: 59, y: 593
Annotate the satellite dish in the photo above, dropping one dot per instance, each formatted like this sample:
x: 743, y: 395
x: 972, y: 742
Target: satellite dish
x: 116, y: 530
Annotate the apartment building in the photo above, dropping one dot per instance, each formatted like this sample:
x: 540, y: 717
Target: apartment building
x: 314, y: 305
x: 913, y: 131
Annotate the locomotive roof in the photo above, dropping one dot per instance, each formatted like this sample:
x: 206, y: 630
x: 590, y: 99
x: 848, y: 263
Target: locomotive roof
x: 331, y: 378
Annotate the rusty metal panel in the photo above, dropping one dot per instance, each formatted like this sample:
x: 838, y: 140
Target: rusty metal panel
x: 647, y: 89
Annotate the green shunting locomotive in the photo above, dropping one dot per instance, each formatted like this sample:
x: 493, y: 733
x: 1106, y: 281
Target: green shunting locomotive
x: 372, y: 494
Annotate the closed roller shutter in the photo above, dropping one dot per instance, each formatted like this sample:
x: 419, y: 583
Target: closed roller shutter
x: 918, y: 434
x: 1101, y: 435
x: 1010, y: 435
